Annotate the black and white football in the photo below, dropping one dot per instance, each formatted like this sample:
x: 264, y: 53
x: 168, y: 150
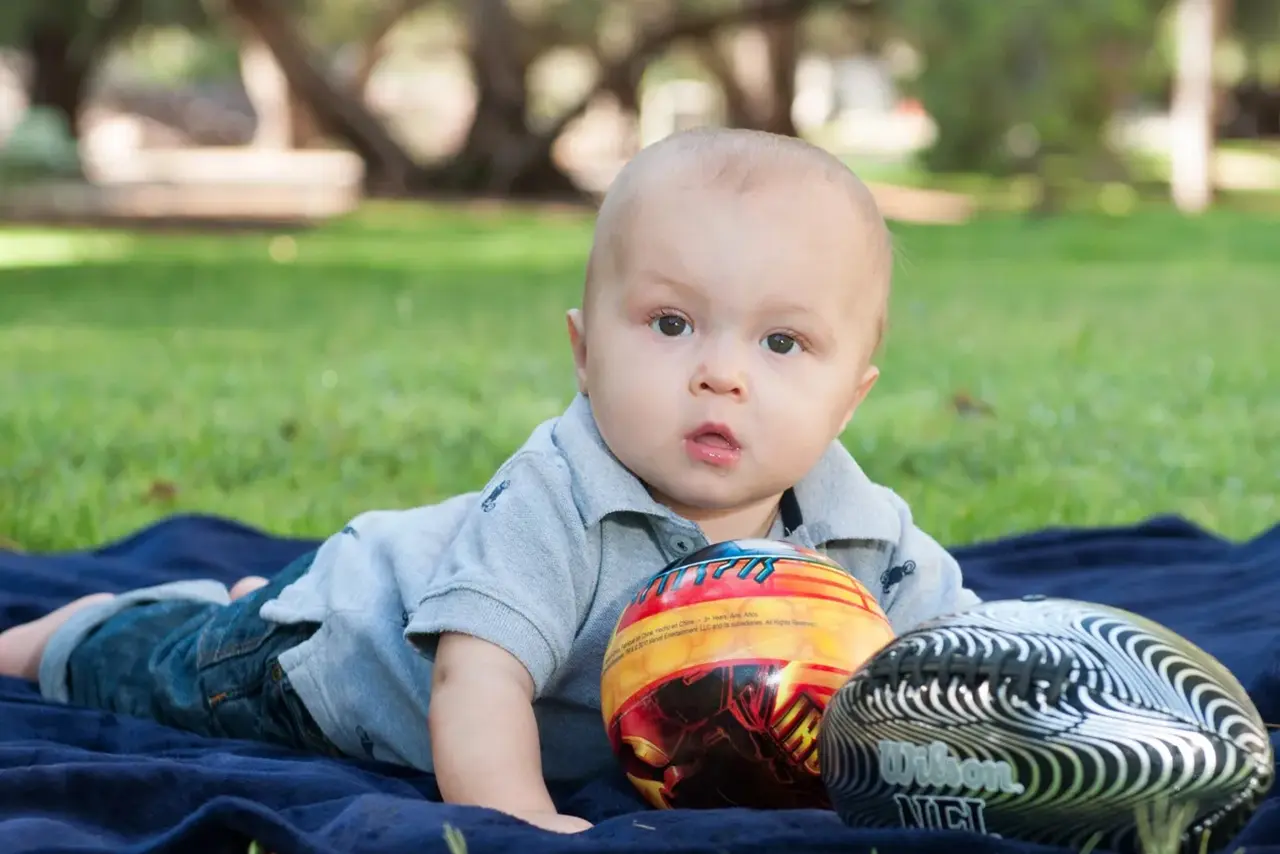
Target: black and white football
x: 1046, y: 720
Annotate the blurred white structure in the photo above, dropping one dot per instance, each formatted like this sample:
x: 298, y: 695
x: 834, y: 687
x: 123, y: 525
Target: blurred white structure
x: 12, y: 100
x: 1191, y: 117
x: 678, y: 105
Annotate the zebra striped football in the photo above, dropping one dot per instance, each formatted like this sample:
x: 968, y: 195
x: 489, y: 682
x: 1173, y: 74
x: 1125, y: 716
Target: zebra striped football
x: 1045, y: 720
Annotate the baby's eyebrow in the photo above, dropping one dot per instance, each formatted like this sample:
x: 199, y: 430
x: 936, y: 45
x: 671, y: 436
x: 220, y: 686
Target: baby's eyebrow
x: 810, y: 322
x: 786, y: 307
x: 677, y: 287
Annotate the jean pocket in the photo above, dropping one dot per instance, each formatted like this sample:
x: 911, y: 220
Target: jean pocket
x: 232, y: 633
x: 237, y: 631
x: 239, y: 675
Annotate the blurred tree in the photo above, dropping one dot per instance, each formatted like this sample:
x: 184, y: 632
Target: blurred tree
x: 359, y: 26
x: 500, y: 54
x: 284, y: 121
x: 39, y: 148
x: 66, y: 40
x: 658, y: 26
x: 755, y: 66
x: 383, y: 21
x: 1027, y: 86
x: 504, y: 153
x: 1198, y: 25
x: 1253, y: 104
x: 1256, y: 23
x: 600, y: 28
x: 388, y: 167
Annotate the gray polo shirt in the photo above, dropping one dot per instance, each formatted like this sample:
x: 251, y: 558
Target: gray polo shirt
x: 541, y: 562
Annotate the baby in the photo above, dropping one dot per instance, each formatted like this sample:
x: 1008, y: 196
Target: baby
x: 735, y: 297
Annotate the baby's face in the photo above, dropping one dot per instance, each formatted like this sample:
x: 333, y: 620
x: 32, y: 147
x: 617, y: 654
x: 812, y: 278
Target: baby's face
x: 731, y: 342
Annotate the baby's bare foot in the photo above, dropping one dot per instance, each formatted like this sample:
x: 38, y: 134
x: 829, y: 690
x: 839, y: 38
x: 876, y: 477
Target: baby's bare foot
x: 22, y: 646
x: 247, y: 585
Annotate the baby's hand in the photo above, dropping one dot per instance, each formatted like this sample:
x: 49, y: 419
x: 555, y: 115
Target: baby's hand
x: 555, y: 822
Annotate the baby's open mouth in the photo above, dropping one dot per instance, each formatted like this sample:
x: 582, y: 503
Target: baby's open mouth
x: 715, y: 435
x: 716, y: 440
x: 714, y: 444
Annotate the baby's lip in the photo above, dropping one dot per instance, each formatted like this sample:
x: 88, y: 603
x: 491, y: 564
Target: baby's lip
x: 711, y: 430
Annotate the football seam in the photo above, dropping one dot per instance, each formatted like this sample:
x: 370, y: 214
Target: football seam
x: 1038, y: 679
x: 1037, y: 670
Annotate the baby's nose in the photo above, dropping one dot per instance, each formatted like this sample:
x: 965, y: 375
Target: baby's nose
x: 722, y: 385
x: 722, y: 374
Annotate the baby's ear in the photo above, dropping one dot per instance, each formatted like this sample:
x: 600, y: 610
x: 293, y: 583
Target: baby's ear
x: 860, y: 393
x: 578, y: 341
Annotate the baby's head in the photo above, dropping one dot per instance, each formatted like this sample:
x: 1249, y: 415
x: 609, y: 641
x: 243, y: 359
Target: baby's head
x: 735, y: 295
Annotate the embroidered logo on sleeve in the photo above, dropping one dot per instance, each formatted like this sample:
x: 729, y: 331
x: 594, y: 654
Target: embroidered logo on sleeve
x: 493, y: 496
x: 893, y: 576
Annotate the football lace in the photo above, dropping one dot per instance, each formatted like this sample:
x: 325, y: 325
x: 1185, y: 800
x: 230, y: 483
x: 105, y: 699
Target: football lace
x: 914, y: 665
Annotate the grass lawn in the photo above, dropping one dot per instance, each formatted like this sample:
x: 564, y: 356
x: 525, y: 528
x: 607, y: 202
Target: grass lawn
x: 1130, y: 367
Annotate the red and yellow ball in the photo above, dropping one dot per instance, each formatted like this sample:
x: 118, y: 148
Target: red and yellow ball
x: 720, y: 668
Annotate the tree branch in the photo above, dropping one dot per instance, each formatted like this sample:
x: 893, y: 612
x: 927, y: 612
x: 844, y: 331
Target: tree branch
x: 374, y: 42
x: 90, y: 41
x: 616, y: 72
x: 738, y: 103
x: 345, y: 117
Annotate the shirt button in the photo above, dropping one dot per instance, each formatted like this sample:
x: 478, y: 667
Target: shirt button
x: 680, y: 546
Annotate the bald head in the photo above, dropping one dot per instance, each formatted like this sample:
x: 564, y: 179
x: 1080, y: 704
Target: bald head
x: 742, y: 165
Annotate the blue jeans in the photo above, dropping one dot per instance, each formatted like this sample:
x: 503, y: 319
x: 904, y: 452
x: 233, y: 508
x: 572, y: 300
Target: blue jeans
x: 200, y: 666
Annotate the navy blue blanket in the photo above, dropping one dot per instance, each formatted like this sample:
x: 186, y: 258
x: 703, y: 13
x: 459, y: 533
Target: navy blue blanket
x: 79, y: 780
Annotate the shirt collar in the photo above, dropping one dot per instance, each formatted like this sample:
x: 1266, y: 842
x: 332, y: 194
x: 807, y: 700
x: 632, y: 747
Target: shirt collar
x: 602, y: 485
x: 837, y: 499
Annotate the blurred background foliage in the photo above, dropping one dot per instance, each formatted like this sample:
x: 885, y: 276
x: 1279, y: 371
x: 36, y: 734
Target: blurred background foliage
x: 1029, y: 88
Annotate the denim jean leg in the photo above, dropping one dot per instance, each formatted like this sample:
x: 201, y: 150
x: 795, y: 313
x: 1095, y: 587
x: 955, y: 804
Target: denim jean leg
x: 207, y: 668
x: 120, y: 666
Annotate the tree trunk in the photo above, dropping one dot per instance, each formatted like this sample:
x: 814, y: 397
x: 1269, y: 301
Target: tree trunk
x: 629, y: 67
x: 779, y: 93
x: 738, y: 109
x: 757, y: 75
x: 285, y: 121
x: 58, y: 77
x: 64, y: 56
x: 303, y: 127
x: 491, y: 160
x: 1191, y: 114
x: 268, y: 91
x: 1224, y: 14
x: 502, y: 155
x: 388, y: 167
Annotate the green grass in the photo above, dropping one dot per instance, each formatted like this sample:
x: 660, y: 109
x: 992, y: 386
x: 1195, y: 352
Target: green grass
x: 1130, y: 365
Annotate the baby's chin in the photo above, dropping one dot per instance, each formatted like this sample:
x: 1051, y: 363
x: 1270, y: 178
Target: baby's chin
x: 709, y: 495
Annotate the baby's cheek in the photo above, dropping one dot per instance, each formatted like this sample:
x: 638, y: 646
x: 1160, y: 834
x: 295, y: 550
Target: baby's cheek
x: 638, y: 378
x: 634, y: 400
x: 804, y: 406
x: 799, y: 384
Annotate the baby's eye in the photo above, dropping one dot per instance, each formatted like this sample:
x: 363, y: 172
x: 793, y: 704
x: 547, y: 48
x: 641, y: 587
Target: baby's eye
x: 780, y: 343
x: 671, y: 325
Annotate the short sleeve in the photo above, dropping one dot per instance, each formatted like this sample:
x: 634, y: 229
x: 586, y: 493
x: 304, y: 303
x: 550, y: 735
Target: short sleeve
x: 923, y: 580
x: 517, y: 573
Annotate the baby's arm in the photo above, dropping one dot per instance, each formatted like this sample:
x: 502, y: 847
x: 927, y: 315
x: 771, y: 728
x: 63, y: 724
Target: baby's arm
x: 498, y: 618
x: 483, y: 734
